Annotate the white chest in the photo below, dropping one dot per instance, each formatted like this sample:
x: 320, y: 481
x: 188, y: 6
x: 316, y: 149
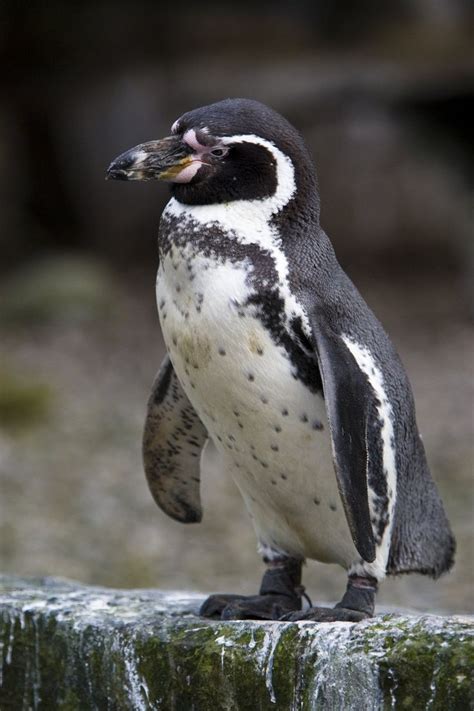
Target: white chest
x: 270, y: 428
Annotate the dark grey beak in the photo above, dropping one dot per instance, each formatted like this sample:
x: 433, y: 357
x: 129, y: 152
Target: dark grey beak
x: 155, y: 160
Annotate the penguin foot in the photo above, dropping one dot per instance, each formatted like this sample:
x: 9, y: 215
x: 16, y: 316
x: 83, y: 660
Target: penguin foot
x: 280, y: 593
x: 327, y: 614
x: 249, y: 607
x: 357, y: 604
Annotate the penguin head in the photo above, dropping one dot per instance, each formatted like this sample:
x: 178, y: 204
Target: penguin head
x: 236, y: 149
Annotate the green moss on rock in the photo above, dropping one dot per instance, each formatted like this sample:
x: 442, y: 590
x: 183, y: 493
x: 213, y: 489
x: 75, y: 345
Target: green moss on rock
x: 429, y: 668
x: 71, y: 647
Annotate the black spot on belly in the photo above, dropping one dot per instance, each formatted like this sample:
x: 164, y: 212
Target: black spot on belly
x: 264, y: 399
x: 221, y: 351
x: 283, y: 476
x: 333, y: 507
x: 277, y: 428
x: 274, y: 447
x: 304, y: 417
x: 317, y: 425
x: 284, y: 412
x: 317, y: 501
x: 251, y: 377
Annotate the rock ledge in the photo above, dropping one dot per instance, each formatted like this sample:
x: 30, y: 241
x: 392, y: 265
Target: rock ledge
x: 68, y: 646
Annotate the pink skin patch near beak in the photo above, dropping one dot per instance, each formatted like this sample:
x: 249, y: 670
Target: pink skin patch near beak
x: 188, y: 172
x: 197, y: 158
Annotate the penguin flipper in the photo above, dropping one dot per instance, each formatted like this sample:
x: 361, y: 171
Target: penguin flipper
x: 172, y: 442
x: 348, y: 399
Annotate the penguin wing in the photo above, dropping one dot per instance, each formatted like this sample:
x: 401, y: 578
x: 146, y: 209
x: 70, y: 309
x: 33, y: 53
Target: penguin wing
x: 349, y: 400
x: 172, y: 442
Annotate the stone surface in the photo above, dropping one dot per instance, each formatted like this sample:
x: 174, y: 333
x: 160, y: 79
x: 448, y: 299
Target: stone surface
x: 69, y: 646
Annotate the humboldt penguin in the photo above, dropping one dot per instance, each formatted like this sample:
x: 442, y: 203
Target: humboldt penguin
x: 274, y: 356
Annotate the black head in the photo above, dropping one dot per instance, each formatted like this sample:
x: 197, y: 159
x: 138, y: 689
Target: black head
x: 230, y: 150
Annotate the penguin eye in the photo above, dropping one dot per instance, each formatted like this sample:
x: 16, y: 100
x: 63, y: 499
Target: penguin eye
x: 218, y: 152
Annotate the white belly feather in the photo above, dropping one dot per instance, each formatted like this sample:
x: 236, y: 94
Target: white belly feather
x: 271, y: 431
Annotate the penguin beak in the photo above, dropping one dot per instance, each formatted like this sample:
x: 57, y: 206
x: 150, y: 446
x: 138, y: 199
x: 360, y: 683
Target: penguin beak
x: 156, y: 160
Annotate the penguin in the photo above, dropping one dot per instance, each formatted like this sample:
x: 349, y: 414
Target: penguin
x: 274, y: 356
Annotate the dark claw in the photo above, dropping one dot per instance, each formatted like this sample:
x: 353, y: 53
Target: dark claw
x: 327, y: 614
x: 254, y: 607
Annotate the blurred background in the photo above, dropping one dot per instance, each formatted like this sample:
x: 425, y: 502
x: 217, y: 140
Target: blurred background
x: 383, y: 93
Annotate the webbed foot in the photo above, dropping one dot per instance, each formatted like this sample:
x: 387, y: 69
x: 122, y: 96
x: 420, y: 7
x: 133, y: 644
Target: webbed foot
x: 326, y: 614
x: 357, y: 604
x: 249, y: 607
x: 280, y: 593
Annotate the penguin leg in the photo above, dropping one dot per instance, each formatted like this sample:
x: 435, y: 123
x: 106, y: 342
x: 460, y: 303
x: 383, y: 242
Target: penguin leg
x: 280, y: 593
x: 357, y: 604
